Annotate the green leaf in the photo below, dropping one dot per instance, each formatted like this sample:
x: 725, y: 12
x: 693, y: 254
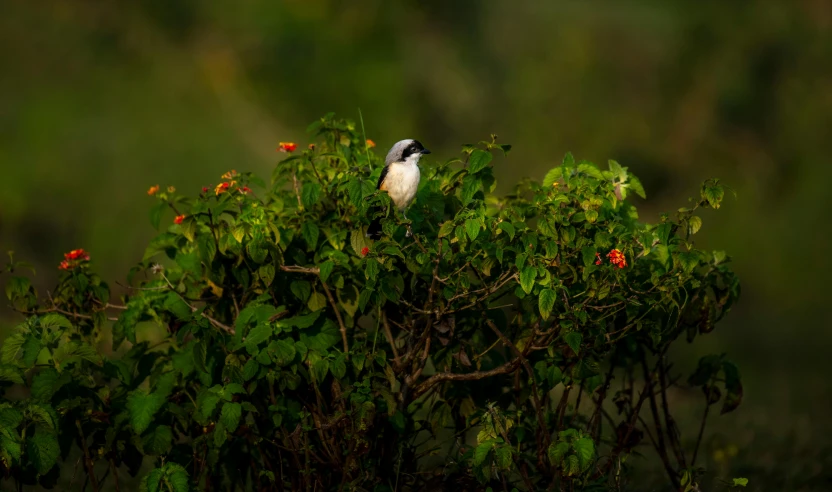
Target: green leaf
x: 157, y: 441
x: 470, y: 186
x: 546, y: 302
x: 552, y: 177
x: 590, y: 170
x: 258, y: 335
x: 557, y: 451
x: 156, y: 213
x: 12, y: 347
x: 338, y: 367
x: 585, y: 449
x: 348, y: 297
x: 309, y: 194
x: 45, y: 384
x: 266, y: 274
x: 142, y: 407
x: 42, y: 448
x: 507, y: 228
x: 574, y: 340
x: 617, y: 171
x: 16, y: 287
x: 10, y: 443
x: 326, y: 269
x: 301, y: 322
x: 481, y: 452
x: 53, y: 320
x: 301, y: 289
x: 527, y: 277
x: 479, y: 160
x: 317, y: 302
x: 359, y: 241
x: 571, y: 465
x: 230, y: 416
x: 283, y: 352
x: 447, y: 228
x: 713, y: 194
x: 635, y: 184
x: 355, y: 192
x: 740, y: 482
x: 177, y: 477
x: 694, y: 224
x: 319, y: 369
x: 588, y: 256
x: 250, y: 369
x: 372, y: 268
x: 310, y: 233
x: 472, y: 227
x: 503, y: 455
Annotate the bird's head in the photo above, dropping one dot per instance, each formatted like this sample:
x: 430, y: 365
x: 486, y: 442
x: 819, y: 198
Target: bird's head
x: 408, y: 151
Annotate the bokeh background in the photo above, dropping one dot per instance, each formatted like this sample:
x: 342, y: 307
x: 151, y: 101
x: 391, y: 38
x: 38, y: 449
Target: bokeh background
x: 100, y: 100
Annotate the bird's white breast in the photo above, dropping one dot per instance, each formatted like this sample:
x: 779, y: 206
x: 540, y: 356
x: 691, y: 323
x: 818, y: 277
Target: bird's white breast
x: 402, y: 181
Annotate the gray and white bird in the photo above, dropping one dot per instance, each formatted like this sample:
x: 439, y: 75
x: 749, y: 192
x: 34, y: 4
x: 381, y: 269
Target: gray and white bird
x: 400, y: 177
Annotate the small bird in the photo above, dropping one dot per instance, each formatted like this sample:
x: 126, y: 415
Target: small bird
x: 399, y: 178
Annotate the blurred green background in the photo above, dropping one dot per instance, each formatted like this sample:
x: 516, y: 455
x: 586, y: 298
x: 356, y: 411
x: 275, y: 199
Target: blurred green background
x: 100, y: 100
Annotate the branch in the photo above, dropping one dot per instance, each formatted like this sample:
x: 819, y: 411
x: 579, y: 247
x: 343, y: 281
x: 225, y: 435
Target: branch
x: 337, y: 315
x: 469, y: 376
x: 389, y: 335
x: 541, y: 421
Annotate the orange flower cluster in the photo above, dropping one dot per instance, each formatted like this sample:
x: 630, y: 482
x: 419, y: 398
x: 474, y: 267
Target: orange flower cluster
x: 230, y: 174
x: 617, y: 258
x: 178, y: 219
x: 153, y: 190
x: 364, y: 251
x: 287, y: 147
x: 370, y: 144
x: 73, y: 259
x: 223, y: 187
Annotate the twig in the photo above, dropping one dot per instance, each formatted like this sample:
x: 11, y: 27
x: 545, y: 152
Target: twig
x: 701, y: 430
x: 88, y: 464
x: 539, y: 410
x: 337, y: 315
x: 469, y: 376
x: 389, y: 336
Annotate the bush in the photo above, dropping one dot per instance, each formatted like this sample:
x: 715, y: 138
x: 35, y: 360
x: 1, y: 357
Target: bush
x: 265, y: 343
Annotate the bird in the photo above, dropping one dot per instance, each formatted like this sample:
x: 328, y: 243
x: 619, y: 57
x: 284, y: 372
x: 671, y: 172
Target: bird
x: 399, y: 178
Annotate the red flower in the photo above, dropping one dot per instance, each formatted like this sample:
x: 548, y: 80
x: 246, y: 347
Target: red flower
x: 205, y: 189
x: 223, y: 187
x: 370, y: 144
x: 617, y: 258
x: 73, y: 259
x: 77, y: 254
x: 364, y: 251
x: 178, y: 219
x: 245, y: 190
x: 287, y: 147
x: 598, y: 259
x: 153, y: 190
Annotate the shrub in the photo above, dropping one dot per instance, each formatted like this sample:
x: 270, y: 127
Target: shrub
x: 265, y: 343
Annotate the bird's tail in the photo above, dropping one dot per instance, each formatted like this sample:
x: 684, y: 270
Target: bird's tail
x: 374, y: 231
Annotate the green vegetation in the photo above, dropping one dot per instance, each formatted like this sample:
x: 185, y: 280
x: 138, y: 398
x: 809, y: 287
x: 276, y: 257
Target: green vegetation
x: 512, y: 342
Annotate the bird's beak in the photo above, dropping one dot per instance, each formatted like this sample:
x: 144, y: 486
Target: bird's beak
x: 425, y: 151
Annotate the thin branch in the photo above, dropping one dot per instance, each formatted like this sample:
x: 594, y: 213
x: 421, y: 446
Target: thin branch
x: 337, y: 315
x: 469, y: 376
x: 389, y: 335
